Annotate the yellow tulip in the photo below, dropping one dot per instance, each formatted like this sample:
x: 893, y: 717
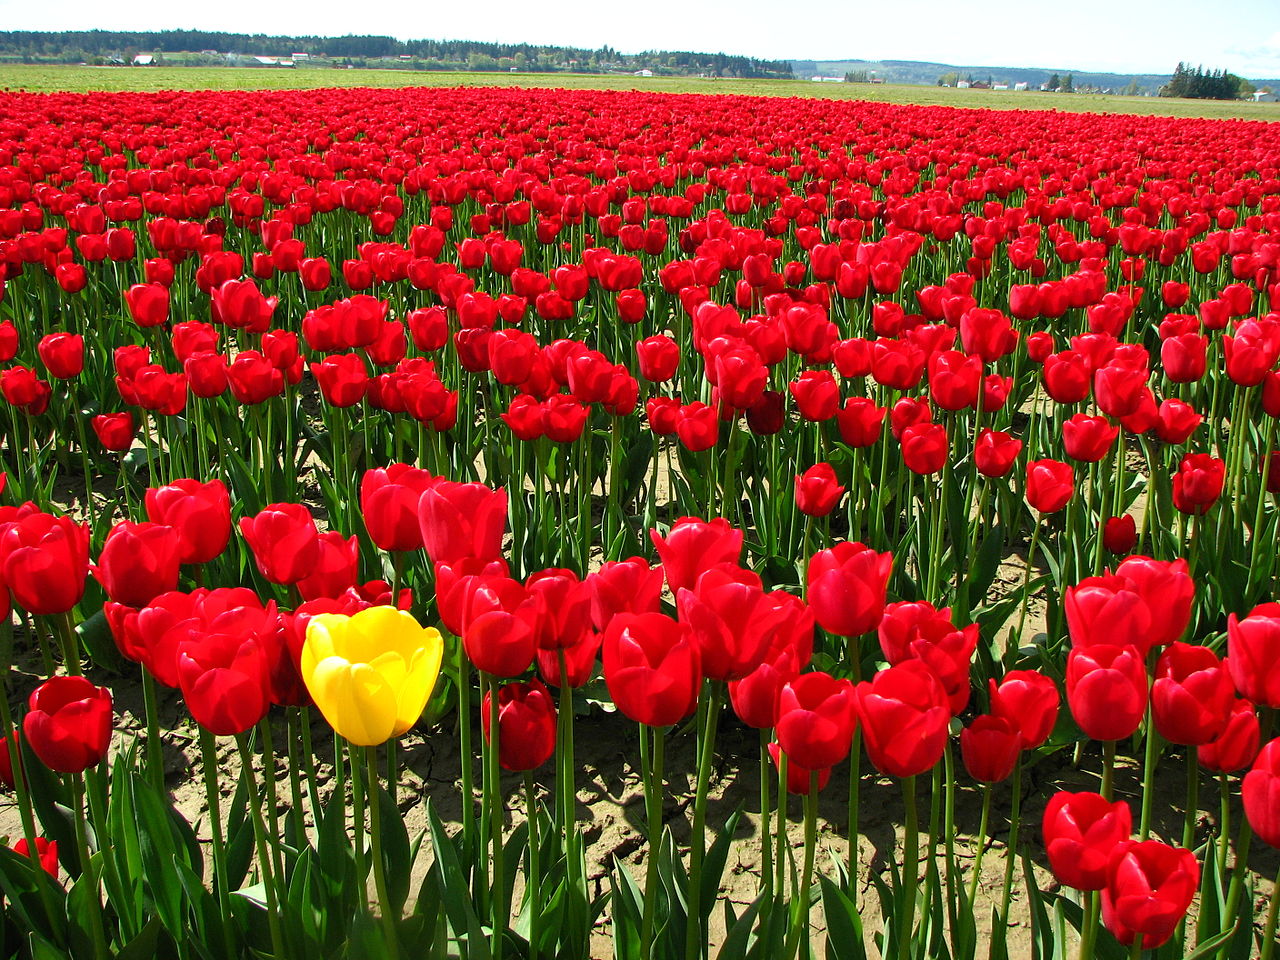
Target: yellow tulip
x: 371, y: 673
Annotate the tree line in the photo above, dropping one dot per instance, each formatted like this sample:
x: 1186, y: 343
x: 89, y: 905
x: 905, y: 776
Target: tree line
x: 1198, y: 84
x: 74, y: 46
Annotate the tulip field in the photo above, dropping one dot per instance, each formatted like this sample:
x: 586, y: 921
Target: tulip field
x: 484, y: 523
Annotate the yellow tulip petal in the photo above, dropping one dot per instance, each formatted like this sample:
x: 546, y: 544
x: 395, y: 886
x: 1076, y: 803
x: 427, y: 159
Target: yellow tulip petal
x: 319, y: 642
x: 355, y: 699
x: 423, y: 671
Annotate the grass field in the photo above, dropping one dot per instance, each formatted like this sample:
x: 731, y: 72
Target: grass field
x: 47, y: 78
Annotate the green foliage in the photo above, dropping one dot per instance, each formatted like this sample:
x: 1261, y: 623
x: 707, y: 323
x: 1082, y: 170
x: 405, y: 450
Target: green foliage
x: 1198, y: 85
x: 102, y: 45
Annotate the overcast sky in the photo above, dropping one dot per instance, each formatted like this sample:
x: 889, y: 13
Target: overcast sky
x: 1108, y: 35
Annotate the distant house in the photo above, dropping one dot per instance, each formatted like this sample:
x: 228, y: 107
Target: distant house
x: 963, y: 84
x: 827, y: 79
x: 1264, y: 96
x: 999, y: 86
x: 144, y: 60
x: 300, y: 56
x: 643, y: 73
x: 1020, y: 86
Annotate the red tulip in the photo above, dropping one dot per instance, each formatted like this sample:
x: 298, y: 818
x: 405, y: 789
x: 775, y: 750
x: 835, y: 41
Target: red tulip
x: 115, y: 431
x: 579, y: 662
x: 1028, y: 700
x: 1106, y: 690
x: 990, y: 747
x: 148, y: 303
x: 1101, y: 609
x: 199, y: 512
x: 1050, y: 485
x: 497, y: 626
x: 561, y: 610
x: 624, y: 586
x: 1081, y: 831
x: 225, y: 680
x: 917, y: 631
x: 1253, y: 653
x: 1198, y: 483
x: 68, y: 723
x: 756, y: 696
x: 1150, y: 886
x: 62, y: 354
x: 1168, y: 590
x: 460, y: 520
x: 343, y: 379
x: 45, y: 560
x: 860, y: 422
x: 925, y: 447
x: 46, y: 853
x: 816, y: 720
x: 994, y: 452
x: 1088, y: 439
x: 336, y: 569
x: 139, y: 561
x: 1237, y: 745
x: 526, y: 725
x: 817, y: 490
x: 905, y: 717
x: 1260, y: 790
x: 730, y: 619
x: 694, y: 546
x: 659, y: 358
x: 1120, y: 534
x: 389, y: 498
x: 847, y: 585
x: 1191, y: 695
x: 652, y: 668
x: 284, y: 541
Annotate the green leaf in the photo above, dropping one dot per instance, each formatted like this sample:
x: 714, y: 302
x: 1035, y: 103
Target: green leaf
x: 844, y: 925
x: 714, y: 861
x: 737, y: 939
x: 96, y: 639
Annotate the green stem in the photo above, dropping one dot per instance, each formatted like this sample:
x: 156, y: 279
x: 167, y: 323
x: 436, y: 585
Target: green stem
x: 389, y: 920
x: 88, y: 874
x: 1015, y: 639
x: 1269, y: 929
x: 1193, y: 798
x: 500, y: 918
x: 655, y: 787
x: 1108, y: 767
x: 1011, y: 852
x: 695, y: 934
x: 1089, y: 928
x: 155, y: 748
x: 209, y: 760
x: 801, y: 910
x: 1150, y: 759
x: 910, y: 868
x: 260, y: 840
x: 982, y: 842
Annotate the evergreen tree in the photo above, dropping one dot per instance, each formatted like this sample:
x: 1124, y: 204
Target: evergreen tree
x: 1054, y: 82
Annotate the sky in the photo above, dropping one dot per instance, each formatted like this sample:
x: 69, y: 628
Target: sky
x: 1242, y: 36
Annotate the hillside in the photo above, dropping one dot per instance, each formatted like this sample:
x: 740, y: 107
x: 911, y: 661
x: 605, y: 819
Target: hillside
x: 924, y: 72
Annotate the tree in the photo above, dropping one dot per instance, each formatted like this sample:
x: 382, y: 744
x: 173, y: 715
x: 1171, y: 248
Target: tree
x: 1132, y: 89
x: 1054, y: 82
x: 948, y: 79
x: 1198, y: 85
x: 1068, y: 85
